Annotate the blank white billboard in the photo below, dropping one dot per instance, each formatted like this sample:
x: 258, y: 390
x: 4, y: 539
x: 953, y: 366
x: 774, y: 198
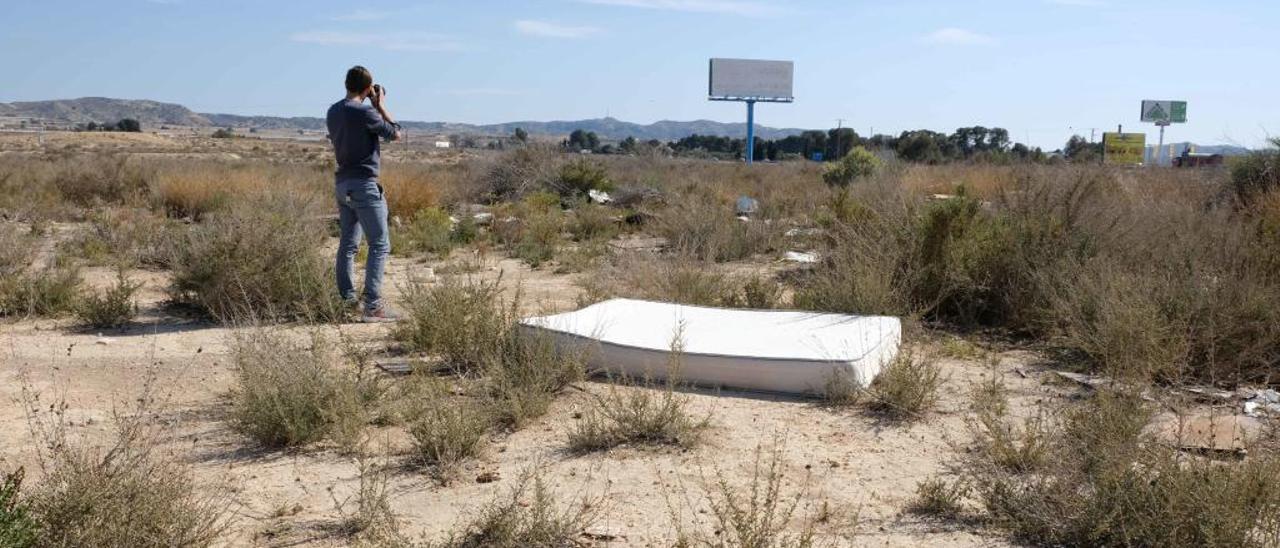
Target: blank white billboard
x: 752, y: 79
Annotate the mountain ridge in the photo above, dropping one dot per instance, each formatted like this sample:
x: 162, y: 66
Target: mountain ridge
x: 155, y: 113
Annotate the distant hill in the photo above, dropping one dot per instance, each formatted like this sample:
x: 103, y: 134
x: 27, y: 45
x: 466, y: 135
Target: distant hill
x: 153, y: 113
x: 104, y: 110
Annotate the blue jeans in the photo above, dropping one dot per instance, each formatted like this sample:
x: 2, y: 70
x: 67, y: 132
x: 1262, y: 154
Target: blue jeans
x: 362, y: 208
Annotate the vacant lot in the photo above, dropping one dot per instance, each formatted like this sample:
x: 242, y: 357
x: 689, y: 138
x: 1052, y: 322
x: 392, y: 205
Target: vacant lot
x: 174, y: 369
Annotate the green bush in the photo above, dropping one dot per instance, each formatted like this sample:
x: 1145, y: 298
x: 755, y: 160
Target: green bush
x: 429, y: 231
x: 580, y: 176
x: 859, y: 163
x: 51, y: 293
x: 1256, y: 174
x: 111, y: 308
x: 260, y: 260
x: 18, y: 529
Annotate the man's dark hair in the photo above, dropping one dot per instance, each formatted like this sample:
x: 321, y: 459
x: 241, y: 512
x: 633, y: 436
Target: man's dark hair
x: 358, y: 79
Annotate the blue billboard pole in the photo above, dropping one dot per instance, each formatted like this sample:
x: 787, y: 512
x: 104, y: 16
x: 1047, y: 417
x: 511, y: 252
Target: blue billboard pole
x: 751, y: 132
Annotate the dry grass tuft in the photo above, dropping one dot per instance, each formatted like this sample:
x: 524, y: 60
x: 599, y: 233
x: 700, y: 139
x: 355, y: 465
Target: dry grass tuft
x: 907, y: 388
x: 526, y: 517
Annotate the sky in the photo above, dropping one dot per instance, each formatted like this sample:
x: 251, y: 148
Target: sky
x: 1043, y: 69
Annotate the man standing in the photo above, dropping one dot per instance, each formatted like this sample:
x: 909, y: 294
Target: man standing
x: 355, y: 129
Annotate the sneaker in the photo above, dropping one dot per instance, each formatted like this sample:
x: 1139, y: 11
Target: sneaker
x: 379, y: 315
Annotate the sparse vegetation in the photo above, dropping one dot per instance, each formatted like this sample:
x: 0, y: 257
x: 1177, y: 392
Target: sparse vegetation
x: 18, y: 529
x: 446, y: 431
x: 641, y: 415
x: 940, y: 498
x: 463, y: 321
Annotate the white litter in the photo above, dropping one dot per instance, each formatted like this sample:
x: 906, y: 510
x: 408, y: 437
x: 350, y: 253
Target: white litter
x: 103, y: 341
x: 797, y: 232
x: 482, y: 218
x: 800, y: 257
x: 773, y: 351
x: 599, y: 196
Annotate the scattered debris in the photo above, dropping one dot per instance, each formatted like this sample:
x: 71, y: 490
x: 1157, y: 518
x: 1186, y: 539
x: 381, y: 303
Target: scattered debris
x: 483, y: 218
x: 1091, y: 381
x: 1263, y: 402
x: 103, y: 341
x: 603, y: 533
x: 635, y: 197
x: 638, y: 244
x: 806, y: 257
x: 1210, y: 394
x: 747, y: 206
x: 798, y: 232
x: 599, y: 196
x: 1222, y: 435
x: 488, y: 477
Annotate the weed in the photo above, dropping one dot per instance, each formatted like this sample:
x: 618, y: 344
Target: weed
x: 526, y: 518
x: 372, y: 520
x: 581, y: 176
x: 430, y: 230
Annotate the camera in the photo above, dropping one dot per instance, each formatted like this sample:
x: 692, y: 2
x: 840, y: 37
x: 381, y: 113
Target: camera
x: 379, y: 90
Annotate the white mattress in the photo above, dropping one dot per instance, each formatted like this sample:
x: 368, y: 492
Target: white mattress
x: 766, y: 350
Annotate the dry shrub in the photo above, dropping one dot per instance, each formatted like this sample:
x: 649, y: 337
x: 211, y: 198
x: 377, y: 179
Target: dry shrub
x: 999, y: 440
x: 460, y: 320
x: 292, y: 393
x: 445, y: 431
x: 410, y: 188
x: 641, y: 415
x: 513, y: 174
x: 907, y: 388
x: 124, y: 492
x: 196, y: 190
x: 111, y: 308
x: 707, y: 229
x: 17, y: 247
x: 125, y: 237
x: 590, y: 222
x: 372, y: 522
x: 939, y: 498
x: 1107, y: 482
x: 679, y: 280
x: 756, y: 515
x: 258, y: 260
x: 93, y: 180
x: 526, y: 517
x: 469, y: 325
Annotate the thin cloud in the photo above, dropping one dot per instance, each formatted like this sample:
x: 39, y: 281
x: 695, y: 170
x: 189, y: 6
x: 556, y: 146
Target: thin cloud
x: 958, y: 37
x: 362, y: 15
x: 547, y: 29
x: 735, y: 7
x: 390, y: 41
x: 1078, y: 3
x: 489, y: 92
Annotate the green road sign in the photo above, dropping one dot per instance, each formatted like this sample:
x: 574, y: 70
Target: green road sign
x: 1164, y: 112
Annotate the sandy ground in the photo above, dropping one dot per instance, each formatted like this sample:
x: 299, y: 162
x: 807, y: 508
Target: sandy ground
x: 862, y: 469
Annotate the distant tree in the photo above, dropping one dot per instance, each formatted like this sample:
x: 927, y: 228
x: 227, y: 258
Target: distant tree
x: 628, y: 145
x: 922, y: 146
x: 840, y: 142
x: 224, y: 133
x: 583, y: 140
x: 1079, y: 149
x: 91, y: 126
x: 129, y: 124
x: 522, y: 135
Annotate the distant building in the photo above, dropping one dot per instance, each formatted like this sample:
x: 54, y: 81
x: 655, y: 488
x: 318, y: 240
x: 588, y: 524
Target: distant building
x: 443, y: 144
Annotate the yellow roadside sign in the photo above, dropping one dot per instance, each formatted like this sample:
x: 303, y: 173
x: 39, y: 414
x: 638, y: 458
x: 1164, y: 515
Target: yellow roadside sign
x: 1124, y: 149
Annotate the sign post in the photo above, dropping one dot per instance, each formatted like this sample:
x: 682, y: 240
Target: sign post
x: 751, y: 81
x: 1163, y: 114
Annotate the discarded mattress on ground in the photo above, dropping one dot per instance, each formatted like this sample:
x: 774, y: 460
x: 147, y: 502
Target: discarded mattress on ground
x: 765, y: 350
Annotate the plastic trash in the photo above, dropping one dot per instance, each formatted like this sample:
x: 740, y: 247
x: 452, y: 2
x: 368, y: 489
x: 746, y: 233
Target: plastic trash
x: 599, y: 196
x: 801, y: 257
x: 747, y: 206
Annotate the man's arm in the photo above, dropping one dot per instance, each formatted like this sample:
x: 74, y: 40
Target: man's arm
x: 391, y: 131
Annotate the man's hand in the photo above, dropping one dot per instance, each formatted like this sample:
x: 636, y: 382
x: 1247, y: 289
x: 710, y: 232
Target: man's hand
x: 376, y: 95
